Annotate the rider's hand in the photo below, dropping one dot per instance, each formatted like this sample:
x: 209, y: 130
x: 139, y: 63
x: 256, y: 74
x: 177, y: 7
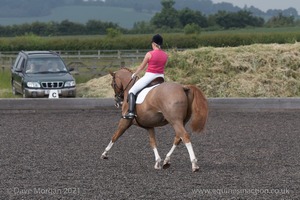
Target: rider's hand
x: 133, y: 75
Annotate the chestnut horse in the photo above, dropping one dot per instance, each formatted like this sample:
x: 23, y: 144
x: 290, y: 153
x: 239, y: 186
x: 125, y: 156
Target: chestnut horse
x: 167, y: 103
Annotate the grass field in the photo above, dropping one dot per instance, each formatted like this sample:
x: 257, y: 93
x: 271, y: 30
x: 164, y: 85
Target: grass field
x: 254, y: 30
x: 5, y: 87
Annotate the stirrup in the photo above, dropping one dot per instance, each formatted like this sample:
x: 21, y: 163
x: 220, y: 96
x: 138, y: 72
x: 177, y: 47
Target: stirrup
x: 129, y: 115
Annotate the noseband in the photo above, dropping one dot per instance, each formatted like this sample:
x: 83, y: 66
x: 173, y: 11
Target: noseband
x: 119, y: 91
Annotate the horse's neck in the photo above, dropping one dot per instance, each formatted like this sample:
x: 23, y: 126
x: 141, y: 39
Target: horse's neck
x: 127, y: 83
x: 125, y: 77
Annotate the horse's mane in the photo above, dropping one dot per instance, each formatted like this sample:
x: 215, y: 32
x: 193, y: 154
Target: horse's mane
x: 127, y: 69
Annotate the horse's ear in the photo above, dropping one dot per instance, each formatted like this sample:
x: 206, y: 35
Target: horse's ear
x: 111, y: 73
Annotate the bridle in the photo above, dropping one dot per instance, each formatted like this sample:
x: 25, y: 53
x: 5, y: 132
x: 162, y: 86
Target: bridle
x: 119, y: 91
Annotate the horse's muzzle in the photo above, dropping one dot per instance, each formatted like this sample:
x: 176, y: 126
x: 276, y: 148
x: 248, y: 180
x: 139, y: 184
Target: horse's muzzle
x: 119, y: 104
x: 118, y: 101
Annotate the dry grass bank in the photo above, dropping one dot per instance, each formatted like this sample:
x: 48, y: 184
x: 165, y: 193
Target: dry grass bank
x: 260, y: 70
x: 97, y: 87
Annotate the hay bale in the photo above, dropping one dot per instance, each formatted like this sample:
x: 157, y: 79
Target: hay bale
x: 97, y: 87
x: 259, y: 70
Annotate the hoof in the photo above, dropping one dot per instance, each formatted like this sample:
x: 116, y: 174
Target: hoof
x: 157, y: 165
x: 195, y: 167
x: 104, y: 156
x: 167, y: 163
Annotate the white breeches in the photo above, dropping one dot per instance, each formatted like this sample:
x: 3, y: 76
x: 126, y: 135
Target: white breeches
x: 142, y: 82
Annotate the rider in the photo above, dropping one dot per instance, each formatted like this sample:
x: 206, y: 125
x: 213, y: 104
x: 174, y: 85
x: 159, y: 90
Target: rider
x: 156, y: 61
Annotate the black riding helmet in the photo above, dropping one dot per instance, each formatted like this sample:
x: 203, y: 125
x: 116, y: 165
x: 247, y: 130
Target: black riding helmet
x: 157, y: 39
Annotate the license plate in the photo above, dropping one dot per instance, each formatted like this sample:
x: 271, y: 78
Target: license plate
x: 48, y: 91
x: 54, y: 94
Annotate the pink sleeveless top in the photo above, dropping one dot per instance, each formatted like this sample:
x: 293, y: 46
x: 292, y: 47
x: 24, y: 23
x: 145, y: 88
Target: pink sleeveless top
x: 157, y: 62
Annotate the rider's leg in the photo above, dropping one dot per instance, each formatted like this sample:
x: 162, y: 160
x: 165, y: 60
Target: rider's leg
x: 139, y: 85
x: 131, y: 106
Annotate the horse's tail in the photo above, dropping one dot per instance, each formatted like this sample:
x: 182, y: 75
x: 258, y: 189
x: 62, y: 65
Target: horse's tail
x: 198, y: 108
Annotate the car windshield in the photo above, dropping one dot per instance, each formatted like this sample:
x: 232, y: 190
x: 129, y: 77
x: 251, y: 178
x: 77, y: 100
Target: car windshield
x: 45, y: 65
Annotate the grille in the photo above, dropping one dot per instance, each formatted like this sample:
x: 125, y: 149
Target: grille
x: 51, y: 85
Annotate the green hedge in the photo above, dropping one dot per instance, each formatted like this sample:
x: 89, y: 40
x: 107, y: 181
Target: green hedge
x: 32, y: 42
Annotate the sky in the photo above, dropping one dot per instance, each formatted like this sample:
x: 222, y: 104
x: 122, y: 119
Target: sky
x: 264, y: 5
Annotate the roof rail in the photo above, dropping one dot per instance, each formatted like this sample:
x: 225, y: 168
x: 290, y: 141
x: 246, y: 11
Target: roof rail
x: 54, y: 52
x: 36, y: 52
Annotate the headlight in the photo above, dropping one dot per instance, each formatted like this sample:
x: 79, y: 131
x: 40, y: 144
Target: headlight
x: 70, y: 83
x: 33, y: 85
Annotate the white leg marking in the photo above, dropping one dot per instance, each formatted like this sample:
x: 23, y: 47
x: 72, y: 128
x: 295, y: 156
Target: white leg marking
x: 189, y: 147
x: 157, y: 159
x: 171, y: 151
x: 168, y: 157
x: 104, y: 154
x: 109, y: 146
x: 191, y: 151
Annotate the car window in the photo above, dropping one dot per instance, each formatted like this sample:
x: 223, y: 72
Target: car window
x: 32, y: 67
x: 45, y: 65
x: 20, y: 64
x: 55, y: 65
x: 16, y: 62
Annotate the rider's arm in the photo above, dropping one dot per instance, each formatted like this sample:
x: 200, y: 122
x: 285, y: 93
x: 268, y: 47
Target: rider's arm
x: 143, y: 64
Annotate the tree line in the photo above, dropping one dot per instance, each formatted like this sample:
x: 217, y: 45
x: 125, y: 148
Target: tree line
x: 169, y: 19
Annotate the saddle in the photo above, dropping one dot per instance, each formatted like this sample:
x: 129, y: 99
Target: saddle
x: 156, y: 81
x: 142, y: 94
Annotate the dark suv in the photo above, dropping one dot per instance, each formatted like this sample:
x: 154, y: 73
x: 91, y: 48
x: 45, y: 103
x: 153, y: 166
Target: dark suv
x: 36, y: 73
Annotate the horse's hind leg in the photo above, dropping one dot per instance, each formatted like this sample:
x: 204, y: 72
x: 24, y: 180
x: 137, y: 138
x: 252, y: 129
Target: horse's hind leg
x: 181, y: 132
x: 124, y: 124
x: 154, y: 147
x: 176, y: 142
x: 193, y: 158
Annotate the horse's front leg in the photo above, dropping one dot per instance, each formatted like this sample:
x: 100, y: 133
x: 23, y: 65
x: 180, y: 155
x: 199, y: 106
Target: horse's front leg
x: 153, y: 145
x: 124, y: 124
x: 167, y: 160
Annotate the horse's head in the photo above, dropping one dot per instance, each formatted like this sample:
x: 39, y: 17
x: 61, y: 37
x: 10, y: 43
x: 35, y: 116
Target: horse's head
x: 117, y: 86
x: 121, y: 83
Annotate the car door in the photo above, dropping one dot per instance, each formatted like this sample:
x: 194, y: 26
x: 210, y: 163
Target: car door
x: 18, y: 74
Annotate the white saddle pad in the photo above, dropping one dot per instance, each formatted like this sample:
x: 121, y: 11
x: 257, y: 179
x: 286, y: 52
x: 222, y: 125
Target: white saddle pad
x: 142, y: 95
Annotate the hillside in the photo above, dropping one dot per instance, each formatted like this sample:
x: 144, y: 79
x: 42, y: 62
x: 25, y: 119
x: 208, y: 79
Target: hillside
x: 123, y: 12
x: 270, y: 70
x: 125, y: 17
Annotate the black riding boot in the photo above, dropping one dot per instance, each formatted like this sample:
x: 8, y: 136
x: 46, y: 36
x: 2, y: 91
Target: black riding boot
x: 131, y: 102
